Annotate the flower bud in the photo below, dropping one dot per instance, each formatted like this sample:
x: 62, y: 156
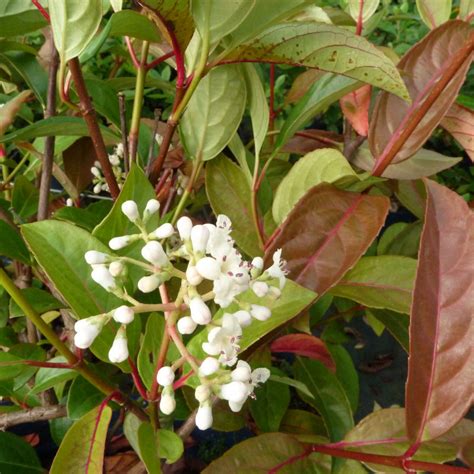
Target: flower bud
x: 130, y: 209
x: 209, y: 268
x: 150, y: 283
x: 119, y: 350
x: 97, y: 188
x: 93, y: 257
x: 234, y: 392
x: 200, y: 313
x: 69, y: 202
x: 209, y: 366
x: 204, y: 416
x: 193, y: 276
x: 165, y: 376
x: 186, y: 325
x: 124, y: 314
x: 256, y: 267
x: 236, y: 406
x: 154, y: 253
x: 163, y: 232
x: 152, y: 207
x: 199, y: 238
x: 260, y: 288
x: 96, y: 172
x: 104, y: 278
x: 262, y: 313
x: 118, y: 243
x: 184, y: 226
x: 167, y: 401
x: 244, y: 318
x: 87, y: 330
x: 202, y: 393
x: 116, y: 268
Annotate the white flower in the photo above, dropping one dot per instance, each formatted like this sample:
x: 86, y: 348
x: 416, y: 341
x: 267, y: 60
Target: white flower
x: 153, y: 252
x: 165, y: 376
x: 184, y: 226
x: 118, y: 243
x: 220, y: 243
x: 193, y: 276
x: 204, y: 416
x: 262, y: 313
x: 167, y: 401
x: 93, y: 257
x: 88, y: 329
x: 116, y: 268
x: 150, y: 283
x: 257, y: 263
x: 242, y: 373
x: 186, y: 325
x: 69, y: 202
x: 260, y: 288
x: 119, y: 350
x: 209, y: 366
x: 199, y: 238
x: 209, y: 268
x: 130, y: 209
x: 200, y: 313
x: 244, y: 318
x: 163, y: 232
x: 202, y: 393
x: 152, y: 207
x: 277, y: 270
x: 101, y: 275
x: 124, y: 314
x: 223, y: 341
x: 234, y: 391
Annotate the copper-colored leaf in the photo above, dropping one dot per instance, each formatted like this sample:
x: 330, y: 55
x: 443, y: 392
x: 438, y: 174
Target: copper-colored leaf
x: 355, y: 107
x: 421, y: 66
x: 326, y: 233
x: 127, y: 462
x: 459, y: 122
x: 78, y: 160
x: 440, y: 381
x: 304, y: 345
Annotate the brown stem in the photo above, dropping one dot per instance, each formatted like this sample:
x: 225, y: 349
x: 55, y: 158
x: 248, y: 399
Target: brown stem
x: 47, y: 167
x: 88, y: 112
x: 151, y: 148
x: 32, y: 415
x: 123, y: 129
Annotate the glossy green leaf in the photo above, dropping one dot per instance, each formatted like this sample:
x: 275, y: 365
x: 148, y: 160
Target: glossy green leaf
x: 148, y: 448
x: 18, y: 17
x: 17, y: 456
x: 330, y: 398
x: 27, y: 352
x: 401, y: 238
x: 229, y: 193
x: 466, y: 9
x: 214, y: 112
x: 74, y: 24
x: 291, y: 383
x: 325, y: 47
x: 8, y: 369
x: 170, y: 446
x: 25, y: 198
x: 132, y: 23
x: 12, y: 245
x: 434, y: 12
x: 396, y: 324
x: 82, y: 398
x: 40, y: 300
x: 325, y: 165
x: 384, y: 282
x: 302, y: 422
x: 86, y: 456
x: 49, y: 377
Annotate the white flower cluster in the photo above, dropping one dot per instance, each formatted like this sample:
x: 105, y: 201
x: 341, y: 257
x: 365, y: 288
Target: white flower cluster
x: 98, y: 179
x: 211, y: 255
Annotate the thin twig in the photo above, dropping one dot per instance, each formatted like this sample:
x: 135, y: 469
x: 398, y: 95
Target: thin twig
x: 32, y: 415
x: 123, y: 128
x: 151, y: 149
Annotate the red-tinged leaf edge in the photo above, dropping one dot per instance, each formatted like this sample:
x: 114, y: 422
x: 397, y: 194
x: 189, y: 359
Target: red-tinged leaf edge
x: 355, y: 107
x: 304, y: 345
x: 459, y: 122
x: 441, y: 362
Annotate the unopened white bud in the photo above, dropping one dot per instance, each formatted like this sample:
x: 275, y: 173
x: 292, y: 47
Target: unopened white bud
x: 184, y: 226
x: 93, y: 257
x: 116, y: 268
x: 260, y: 288
x: 209, y: 268
x: 130, y: 209
x: 95, y: 171
x: 199, y: 238
x: 119, y: 350
x: 234, y: 392
x: 204, y: 416
x: 202, y: 393
x: 163, y: 232
x: 186, y: 325
x: 69, y: 202
x: 152, y: 207
x: 154, y: 253
x: 87, y: 330
x: 167, y: 401
x: 193, y: 276
x: 165, y: 376
x: 209, y: 366
x: 118, y: 243
x: 262, y: 313
x: 124, y: 314
x: 97, y: 188
x: 244, y: 318
x: 147, y: 284
x: 103, y: 277
x: 200, y: 313
x: 257, y: 262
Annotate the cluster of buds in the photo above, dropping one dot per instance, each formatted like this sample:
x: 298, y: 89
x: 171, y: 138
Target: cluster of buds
x: 115, y: 160
x: 210, y: 256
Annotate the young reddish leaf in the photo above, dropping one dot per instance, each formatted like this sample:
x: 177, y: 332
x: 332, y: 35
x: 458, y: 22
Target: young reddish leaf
x: 459, y: 122
x: 304, y: 345
x: 422, y: 66
x: 311, y: 139
x: 326, y: 233
x: 355, y: 107
x: 441, y: 364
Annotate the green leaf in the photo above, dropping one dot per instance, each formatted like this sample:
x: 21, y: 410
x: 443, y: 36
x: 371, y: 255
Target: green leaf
x: 87, y: 455
x: 330, y: 399
x: 148, y: 448
x: 384, y: 282
x: 170, y: 446
x: 396, y: 323
x: 325, y: 165
x: 292, y: 383
x: 12, y: 245
x: 302, y: 422
x: 325, y: 47
x: 214, y: 112
x: 400, y: 239
x: 8, y: 369
x: 82, y: 398
x: 25, y: 198
x: 368, y: 9
x: 17, y: 456
x: 74, y: 24
x: 229, y: 193
x: 18, y: 17
x: 131, y: 23
x: 57, y: 126
x: 48, y: 377
x: 270, y: 405
x: 28, y: 352
x: 434, y: 12
x: 41, y: 301
x: 104, y: 99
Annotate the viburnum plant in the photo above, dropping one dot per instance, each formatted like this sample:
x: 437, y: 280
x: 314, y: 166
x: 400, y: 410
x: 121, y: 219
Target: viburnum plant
x: 233, y: 216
